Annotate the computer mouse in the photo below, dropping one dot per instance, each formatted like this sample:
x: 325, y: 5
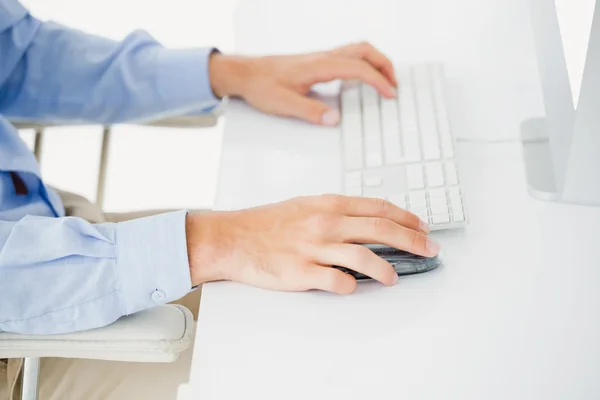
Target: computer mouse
x: 404, y: 263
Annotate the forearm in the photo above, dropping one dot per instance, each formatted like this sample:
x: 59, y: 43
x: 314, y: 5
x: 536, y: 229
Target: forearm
x: 59, y: 74
x: 64, y: 274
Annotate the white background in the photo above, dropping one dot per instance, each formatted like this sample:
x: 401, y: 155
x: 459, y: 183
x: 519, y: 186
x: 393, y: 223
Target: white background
x: 136, y: 180
x: 575, y: 19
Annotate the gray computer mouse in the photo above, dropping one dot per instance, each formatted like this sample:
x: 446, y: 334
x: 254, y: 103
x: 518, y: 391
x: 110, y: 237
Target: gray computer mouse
x: 404, y: 263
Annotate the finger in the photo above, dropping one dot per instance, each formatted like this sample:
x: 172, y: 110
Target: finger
x: 369, y: 53
x: 328, y: 279
x: 387, y: 232
x: 330, y: 68
x: 360, y: 259
x: 292, y: 104
x: 376, y: 208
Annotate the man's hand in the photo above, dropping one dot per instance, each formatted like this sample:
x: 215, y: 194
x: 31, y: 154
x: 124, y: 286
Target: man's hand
x: 279, y: 84
x: 292, y: 245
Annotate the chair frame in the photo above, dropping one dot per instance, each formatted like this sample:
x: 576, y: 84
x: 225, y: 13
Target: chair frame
x: 31, y: 365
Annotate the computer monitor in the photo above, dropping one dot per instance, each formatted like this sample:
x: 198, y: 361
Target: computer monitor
x: 562, y: 150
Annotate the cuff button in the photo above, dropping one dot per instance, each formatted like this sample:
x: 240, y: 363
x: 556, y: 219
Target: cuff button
x: 158, y: 296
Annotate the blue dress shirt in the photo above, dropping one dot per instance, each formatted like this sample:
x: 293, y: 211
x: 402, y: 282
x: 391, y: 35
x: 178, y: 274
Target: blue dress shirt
x: 61, y: 274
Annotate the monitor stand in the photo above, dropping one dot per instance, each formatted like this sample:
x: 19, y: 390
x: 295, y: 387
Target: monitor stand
x: 537, y: 157
x: 562, y: 151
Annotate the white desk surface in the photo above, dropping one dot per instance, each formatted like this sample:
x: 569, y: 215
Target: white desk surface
x: 513, y: 314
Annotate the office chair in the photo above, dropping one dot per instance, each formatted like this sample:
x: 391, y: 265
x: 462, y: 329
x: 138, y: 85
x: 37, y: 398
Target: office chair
x: 159, y: 334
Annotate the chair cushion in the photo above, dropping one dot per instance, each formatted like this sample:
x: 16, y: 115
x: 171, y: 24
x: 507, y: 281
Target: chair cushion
x: 155, y: 335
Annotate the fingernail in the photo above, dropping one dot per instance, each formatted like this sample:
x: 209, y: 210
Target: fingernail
x: 330, y: 118
x: 424, y: 227
x: 395, y: 279
x: 432, y: 247
x: 393, y: 92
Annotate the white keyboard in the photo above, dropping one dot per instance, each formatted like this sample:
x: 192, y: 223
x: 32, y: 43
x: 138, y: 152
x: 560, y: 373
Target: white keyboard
x: 402, y: 149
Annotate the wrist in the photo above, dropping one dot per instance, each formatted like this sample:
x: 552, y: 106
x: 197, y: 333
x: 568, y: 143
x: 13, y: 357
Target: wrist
x: 228, y: 74
x: 202, y: 248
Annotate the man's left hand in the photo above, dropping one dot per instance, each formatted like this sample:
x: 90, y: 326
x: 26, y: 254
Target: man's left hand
x: 279, y: 84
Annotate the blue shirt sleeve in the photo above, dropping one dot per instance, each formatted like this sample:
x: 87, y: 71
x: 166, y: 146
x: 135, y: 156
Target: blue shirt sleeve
x: 59, y: 74
x: 62, y: 275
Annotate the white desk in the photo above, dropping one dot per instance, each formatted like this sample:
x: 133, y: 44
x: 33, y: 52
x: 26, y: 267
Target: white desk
x: 513, y: 314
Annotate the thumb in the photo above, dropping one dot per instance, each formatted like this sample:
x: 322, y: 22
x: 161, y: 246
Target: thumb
x: 295, y: 105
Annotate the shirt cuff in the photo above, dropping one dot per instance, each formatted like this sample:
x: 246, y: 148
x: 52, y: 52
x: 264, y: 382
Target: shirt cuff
x: 152, y: 260
x: 184, y: 81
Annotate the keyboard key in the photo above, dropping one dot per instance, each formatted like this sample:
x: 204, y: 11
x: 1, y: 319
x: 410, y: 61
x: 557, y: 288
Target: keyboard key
x: 372, y: 127
x: 457, y: 214
x: 418, y: 208
x: 456, y: 204
x: 447, y: 146
x: 417, y: 202
x: 353, y: 153
x: 426, y: 114
x: 399, y: 200
x: 417, y: 197
x: 373, y: 181
x: 412, y: 150
x: 351, y: 98
x: 439, y: 206
x: 391, y: 131
x: 437, y: 194
x: 414, y: 175
x: 370, y: 96
x: 352, y: 129
x: 442, y: 115
x: 403, y: 75
x: 406, y: 108
x: 353, y: 178
x: 406, y: 104
x: 431, y: 147
x: 440, y: 218
x: 455, y: 194
x: 353, y: 184
x: 353, y: 191
x: 408, y: 125
x: 451, y: 175
x: 435, y: 174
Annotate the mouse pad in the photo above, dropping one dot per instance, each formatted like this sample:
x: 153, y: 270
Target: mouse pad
x: 404, y: 263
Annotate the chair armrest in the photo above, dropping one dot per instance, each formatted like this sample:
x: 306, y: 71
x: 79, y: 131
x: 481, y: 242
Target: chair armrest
x: 197, y: 121
x: 155, y: 335
x: 206, y: 120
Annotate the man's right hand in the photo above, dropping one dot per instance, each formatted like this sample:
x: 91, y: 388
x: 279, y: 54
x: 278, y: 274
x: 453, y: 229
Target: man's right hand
x: 291, y: 245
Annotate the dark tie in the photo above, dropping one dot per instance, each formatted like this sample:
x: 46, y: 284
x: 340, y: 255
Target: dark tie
x: 20, y: 187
